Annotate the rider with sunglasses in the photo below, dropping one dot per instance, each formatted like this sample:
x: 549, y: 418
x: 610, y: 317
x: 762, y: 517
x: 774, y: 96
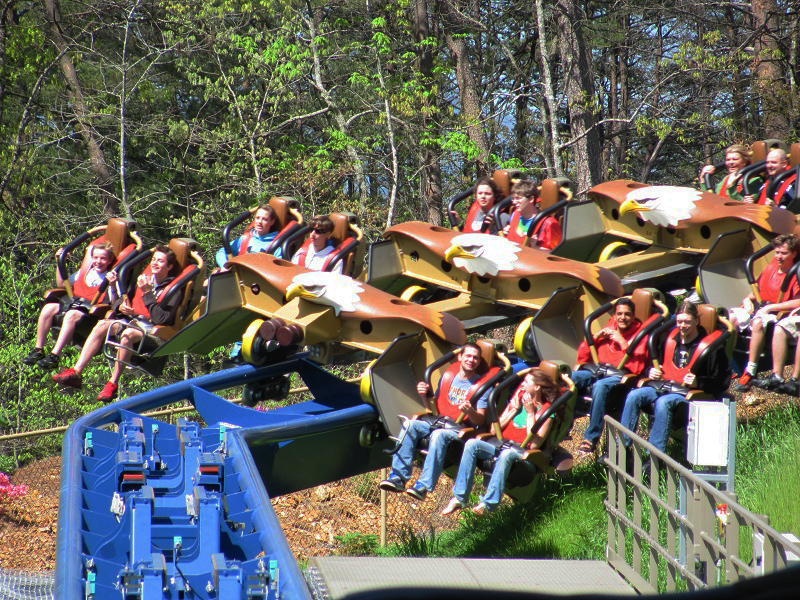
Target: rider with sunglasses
x: 313, y: 256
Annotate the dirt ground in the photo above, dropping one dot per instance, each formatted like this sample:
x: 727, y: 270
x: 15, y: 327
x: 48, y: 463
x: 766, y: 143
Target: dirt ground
x: 311, y: 519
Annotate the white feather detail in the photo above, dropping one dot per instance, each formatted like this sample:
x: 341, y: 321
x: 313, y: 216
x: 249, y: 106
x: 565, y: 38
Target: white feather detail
x: 491, y: 253
x: 667, y: 204
x: 332, y: 289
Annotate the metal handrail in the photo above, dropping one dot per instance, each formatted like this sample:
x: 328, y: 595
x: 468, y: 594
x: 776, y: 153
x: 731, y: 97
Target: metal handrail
x: 707, y: 543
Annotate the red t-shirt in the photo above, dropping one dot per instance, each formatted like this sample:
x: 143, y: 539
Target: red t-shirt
x: 548, y: 233
x: 770, y: 281
x: 609, y: 352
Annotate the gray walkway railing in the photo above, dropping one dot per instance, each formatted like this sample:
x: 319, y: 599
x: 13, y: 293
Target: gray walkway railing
x: 670, y: 530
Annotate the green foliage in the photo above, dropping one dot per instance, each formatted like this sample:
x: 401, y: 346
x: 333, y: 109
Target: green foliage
x: 414, y: 544
x: 768, y: 466
x: 357, y: 544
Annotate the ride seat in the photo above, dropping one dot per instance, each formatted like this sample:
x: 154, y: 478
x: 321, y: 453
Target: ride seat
x: 740, y: 344
x: 188, y: 271
x: 125, y: 244
x: 719, y: 332
x: 120, y: 233
x: 752, y: 174
x: 649, y: 308
x: 554, y: 195
x: 793, y: 173
x: 491, y: 369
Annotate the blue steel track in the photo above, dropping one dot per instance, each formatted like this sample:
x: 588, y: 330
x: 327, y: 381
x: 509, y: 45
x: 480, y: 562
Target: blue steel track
x: 174, y: 533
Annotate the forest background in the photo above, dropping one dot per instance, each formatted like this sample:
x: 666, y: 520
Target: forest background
x: 180, y: 114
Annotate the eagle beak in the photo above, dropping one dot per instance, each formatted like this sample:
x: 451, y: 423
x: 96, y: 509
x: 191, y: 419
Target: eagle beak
x: 631, y: 206
x: 457, y: 252
x: 296, y: 290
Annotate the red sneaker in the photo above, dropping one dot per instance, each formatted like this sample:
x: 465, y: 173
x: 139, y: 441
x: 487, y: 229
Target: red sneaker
x: 68, y: 378
x: 109, y: 392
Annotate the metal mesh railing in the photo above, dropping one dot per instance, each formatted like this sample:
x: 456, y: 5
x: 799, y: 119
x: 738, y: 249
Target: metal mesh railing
x: 21, y: 585
x: 668, y: 529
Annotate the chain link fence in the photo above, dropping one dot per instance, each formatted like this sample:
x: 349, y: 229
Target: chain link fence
x: 28, y: 519
x: 354, y: 517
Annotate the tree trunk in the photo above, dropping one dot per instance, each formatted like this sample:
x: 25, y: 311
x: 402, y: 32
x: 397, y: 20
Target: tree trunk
x: 767, y: 71
x: 97, y: 160
x: 555, y: 166
x: 580, y: 91
x: 353, y: 155
x: 467, y: 89
x: 430, y: 167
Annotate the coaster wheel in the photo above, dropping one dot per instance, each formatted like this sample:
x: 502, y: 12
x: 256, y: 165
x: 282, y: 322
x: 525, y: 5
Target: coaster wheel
x: 698, y: 288
x: 250, y: 342
x: 523, y: 341
x: 365, y: 385
x: 615, y: 250
x: 369, y: 434
x: 416, y: 294
x: 251, y: 395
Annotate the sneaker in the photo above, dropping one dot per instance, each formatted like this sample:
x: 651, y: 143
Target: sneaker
x: 33, y: 358
x: 392, y: 484
x: 48, y: 362
x: 790, y: 387
x: 745, y: 383
x: 109, y: 392
x: 417, y: 491
x: 68, y: 378
x: 773, y: 382
x: 452, y: 506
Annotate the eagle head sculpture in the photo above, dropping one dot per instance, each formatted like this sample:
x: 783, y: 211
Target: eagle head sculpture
x: 663, y: 205
x: 482, y: 254
x: 331, y: 289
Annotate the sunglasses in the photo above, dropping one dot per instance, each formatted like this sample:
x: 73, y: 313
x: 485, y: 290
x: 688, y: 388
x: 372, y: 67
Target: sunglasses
x: 320, y: 231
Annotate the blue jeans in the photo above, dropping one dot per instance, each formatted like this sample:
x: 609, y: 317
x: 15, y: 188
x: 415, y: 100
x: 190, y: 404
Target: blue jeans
x: 665, y: 405
x: 474, y: 451
x: 600, y: 392
x: 403, y: 461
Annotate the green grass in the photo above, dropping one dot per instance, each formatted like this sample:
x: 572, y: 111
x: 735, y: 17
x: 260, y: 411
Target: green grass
x: 768, y: 467
x: 565, y: 519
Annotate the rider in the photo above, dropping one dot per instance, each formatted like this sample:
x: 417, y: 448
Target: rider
x: 736, y: 158
x: 257, y: 239
x: 479, y: 218
x: 85, y: 286
x: 611, y: 343
x: 460, y: 395
x: 144, y: 309
x: 681, y: 348
x: 313, y: 255
x: 536, y: 393
x: 777, y: 162
x: 525, y: 197
x: 758, y: 316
